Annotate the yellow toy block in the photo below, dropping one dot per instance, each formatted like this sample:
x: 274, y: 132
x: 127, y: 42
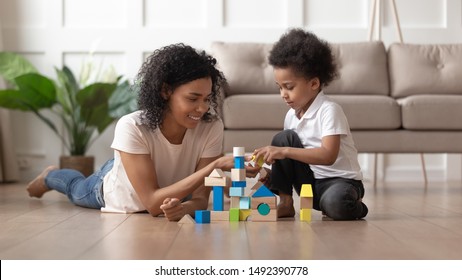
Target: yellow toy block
x: 258, y: 161
x: 305, y: 215
x: 307, y: 191
x: 244, y: 214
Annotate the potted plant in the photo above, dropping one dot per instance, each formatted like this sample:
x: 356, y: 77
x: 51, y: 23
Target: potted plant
x: 84, y: 109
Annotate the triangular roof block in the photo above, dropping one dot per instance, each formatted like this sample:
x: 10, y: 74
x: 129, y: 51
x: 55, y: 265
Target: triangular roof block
x: 217, y: 173
x: 263, y: 191
x: 187, y: 219
x: 307, y: 191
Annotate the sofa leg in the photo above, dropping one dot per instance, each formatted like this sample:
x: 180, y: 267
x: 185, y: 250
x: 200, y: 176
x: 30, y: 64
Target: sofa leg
x: 424, y: 171
x: 375, y: 170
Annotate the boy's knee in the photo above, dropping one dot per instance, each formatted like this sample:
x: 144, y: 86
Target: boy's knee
x: 286, y: 138
x: 342, y: 204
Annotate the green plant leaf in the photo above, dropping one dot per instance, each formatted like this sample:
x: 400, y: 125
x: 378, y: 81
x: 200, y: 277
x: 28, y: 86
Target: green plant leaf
x: 65, y: 93
x: 13, y: 99
x: 36, y: 90
x: 123, y: 101
x: 94, y: 108
x: 13, y: 65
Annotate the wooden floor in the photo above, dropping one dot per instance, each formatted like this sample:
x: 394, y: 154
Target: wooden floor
x: 406, y: 221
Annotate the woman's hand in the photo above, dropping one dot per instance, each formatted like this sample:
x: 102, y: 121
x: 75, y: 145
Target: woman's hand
x: 173, y: 209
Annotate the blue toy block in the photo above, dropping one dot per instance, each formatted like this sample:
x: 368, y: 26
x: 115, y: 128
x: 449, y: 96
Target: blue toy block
x: 238, y: 184
x: 218, y: 200
x: 244, y: 202
x: 263, y: 191
x: 202, y: 216
x: 236, y: 191
x: 239, y: 162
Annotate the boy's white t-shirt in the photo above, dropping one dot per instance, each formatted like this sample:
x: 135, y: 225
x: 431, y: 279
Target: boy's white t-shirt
x: 172, y: 162
x: 323, y: 118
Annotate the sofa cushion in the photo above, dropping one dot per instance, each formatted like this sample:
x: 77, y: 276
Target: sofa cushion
x: 425, y: 69
x: 370, y: 112
x: 246, y: 67
x: 432, y: 112
x: 253, y: 111
x: 362, y: 68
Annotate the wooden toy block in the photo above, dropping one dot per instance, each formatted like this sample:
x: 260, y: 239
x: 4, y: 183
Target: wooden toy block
x: 236, y: 191
x: 235, y: 202
x: 307, y: 191
x: 305, y: 215
x: 239, y: 162
x: 263, y: 209
x: 244, y: 202
x: 187, y: 219
x: 272, y: 216
x: 218, y: 198
x: 257, y: 186
x: 263, y: 172
x: 239, y: 184
x: 217, y: 173
x: 237, y: 174
x: 258, y: 162
x: 271, y: 201
x: 244, y: 214
x: 219, y: 216
x: 306, y: 202
x: 215, y: 182
x: 263, y: 191
x: 234, y: 215
x: 238, y: 151
x: 202, y: 216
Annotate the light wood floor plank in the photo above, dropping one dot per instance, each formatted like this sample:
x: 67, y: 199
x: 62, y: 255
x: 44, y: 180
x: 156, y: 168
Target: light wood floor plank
x: 405, y: 221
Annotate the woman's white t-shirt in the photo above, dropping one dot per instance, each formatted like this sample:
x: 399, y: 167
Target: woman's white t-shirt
x: 172, y: 162
x: 323, y: 118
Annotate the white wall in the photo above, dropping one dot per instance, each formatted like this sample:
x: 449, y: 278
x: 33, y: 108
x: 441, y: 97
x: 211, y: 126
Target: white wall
x: 56, y: 32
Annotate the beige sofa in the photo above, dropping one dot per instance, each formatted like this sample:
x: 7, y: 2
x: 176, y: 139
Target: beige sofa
x: 404, y: 99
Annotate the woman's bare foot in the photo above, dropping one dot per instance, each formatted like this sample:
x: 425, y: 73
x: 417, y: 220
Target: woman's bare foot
x: 37, y: 187
x: 286, y: 206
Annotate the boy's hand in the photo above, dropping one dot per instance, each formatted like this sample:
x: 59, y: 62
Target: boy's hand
x: 173, y: 209
x: 269, y: 154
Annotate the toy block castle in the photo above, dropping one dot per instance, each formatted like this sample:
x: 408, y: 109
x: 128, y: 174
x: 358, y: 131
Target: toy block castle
x: 260, y: 205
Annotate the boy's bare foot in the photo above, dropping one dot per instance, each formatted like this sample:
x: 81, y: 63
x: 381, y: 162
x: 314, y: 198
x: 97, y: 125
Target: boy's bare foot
x: 37, y: 187
x: 286, y: 206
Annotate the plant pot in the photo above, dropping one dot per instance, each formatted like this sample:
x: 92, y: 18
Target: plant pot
x: 84, y: 164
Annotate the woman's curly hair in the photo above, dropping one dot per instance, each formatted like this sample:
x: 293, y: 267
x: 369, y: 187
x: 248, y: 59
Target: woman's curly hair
x: 306, y: 54
x: 168, y: 68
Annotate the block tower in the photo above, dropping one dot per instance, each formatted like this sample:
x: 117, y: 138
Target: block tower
x: 306, y: 202
x: 240, y: 204
x: 218, y: 181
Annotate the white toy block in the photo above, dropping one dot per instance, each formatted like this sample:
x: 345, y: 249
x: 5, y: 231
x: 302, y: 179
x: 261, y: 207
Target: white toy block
x: 217, y: 173
x: 238, y: 151
x: 219, y: 216
x: 237, y: 174
x: 187, y: 219
x: 215, y: 182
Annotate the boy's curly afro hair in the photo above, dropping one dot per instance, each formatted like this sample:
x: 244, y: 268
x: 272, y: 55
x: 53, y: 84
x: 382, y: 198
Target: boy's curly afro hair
x: 168, y: 68
x: 305, y: 54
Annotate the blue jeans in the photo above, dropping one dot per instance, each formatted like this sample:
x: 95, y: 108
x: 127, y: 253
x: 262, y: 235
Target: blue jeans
x: 82, y: 191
